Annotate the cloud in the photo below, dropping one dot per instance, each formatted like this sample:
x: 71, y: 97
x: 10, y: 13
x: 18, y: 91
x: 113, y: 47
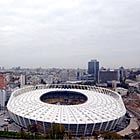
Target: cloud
x: 60, y: 31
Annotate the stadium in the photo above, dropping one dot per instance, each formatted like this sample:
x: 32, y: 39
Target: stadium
x: 81, y: 109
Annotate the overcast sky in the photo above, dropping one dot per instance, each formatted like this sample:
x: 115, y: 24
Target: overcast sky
x: 68, y: 33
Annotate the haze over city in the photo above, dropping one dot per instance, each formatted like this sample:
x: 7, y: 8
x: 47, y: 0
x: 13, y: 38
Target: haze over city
x: 60, y: 33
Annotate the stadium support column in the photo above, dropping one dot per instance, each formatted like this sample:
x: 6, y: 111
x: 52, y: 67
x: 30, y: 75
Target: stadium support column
x: 16, y: 119
x: 77, y: 129
x: 85, y: 129
x: 29, y: 121
x: 25, y: 125
x: 115, y: 124
x: 20, y: 123
x: 106, y: 125
x: 68, y: 127
x: 44, y: 127
x: 112, y: 124
x: 93, y: 129
x: 101, y: 126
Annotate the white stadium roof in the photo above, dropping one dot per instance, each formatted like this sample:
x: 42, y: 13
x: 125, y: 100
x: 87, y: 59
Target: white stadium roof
x: 99, y: 107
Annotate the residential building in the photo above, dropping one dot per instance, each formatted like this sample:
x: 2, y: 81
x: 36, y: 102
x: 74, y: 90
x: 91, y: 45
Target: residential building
x: 2, y: 82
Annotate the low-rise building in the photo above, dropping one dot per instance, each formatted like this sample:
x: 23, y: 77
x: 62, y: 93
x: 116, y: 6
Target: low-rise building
x: 121, y: 91
x: 108, y: 75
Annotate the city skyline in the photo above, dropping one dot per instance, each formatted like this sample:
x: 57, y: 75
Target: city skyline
x: 67, y: 34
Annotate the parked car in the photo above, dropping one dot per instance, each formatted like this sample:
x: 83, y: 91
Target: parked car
x: 1, y: 114
x: 7, y: 119
x: 4, y: 124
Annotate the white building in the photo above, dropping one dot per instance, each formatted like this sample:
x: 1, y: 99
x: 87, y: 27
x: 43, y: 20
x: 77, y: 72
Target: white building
x: 121, y: 90
x: 22, y: 80
x: 138, y: 78
x: 64, y: 76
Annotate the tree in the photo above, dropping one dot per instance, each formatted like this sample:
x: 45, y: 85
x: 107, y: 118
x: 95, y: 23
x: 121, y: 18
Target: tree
x: 70, y: 134
x: 111, y: 135
x: 57, y: 131
x: 61, y: 131
x: 22, y: 133
x: 35, y: 128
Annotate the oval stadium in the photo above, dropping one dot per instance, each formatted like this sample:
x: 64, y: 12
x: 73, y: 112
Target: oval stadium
x: 81, y: 109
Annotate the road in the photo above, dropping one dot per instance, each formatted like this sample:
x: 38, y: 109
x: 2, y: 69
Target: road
x: 11, y: 127
x: 133, y: 125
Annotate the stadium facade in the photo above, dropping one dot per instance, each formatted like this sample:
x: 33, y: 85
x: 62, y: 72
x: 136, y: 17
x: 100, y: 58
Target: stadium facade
x: 81, y: 109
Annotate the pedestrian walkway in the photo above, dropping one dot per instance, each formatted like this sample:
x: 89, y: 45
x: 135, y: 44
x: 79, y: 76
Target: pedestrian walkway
x: 128, y: 130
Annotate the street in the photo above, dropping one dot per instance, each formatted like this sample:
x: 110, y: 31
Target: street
x: 4, y: 124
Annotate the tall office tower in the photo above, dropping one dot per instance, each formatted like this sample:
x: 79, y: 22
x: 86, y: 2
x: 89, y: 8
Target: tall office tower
x: 122, y: 74
x: 22, y: 80
x: 93, y: 69
x: 2, y: 98
x: 2, y: 91
x: 2, y: 82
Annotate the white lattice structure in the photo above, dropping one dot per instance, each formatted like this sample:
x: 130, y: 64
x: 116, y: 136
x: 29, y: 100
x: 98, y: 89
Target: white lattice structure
x: 102, y: 110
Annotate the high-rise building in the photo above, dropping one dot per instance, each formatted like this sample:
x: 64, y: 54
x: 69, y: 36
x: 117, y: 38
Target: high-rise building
x: 93, y: 69
x: 2, y: 91
x: 22, y: 80
x: 2, y: 82
x: 122, y: 74
x: 2, y: 98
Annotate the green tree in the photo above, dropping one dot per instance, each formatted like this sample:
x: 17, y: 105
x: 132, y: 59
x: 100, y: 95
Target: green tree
x: 61, y: 131
x: 70, y: 134
x: 22, y: 133
x: 57, y: 131
x: 111, y: 135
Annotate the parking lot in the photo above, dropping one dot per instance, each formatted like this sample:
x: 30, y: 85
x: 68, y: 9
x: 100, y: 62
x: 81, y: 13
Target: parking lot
x: 5, y: 124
